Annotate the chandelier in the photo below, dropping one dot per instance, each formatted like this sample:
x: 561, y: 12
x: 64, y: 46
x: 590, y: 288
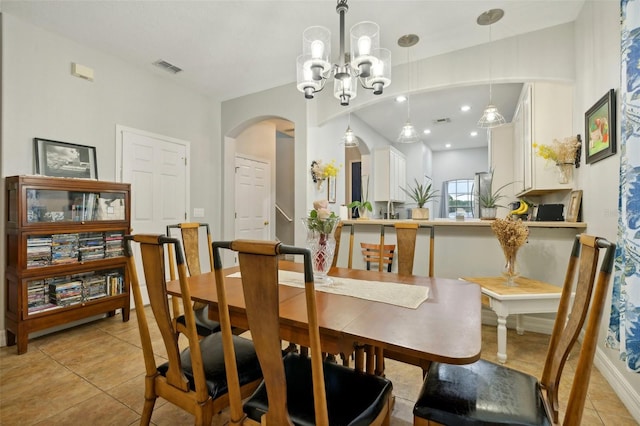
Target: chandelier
x: 367, y: 61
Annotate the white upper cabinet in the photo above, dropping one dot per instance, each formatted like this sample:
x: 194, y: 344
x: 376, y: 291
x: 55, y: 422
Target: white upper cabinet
x: 544, y: 113
x: 390, y: 175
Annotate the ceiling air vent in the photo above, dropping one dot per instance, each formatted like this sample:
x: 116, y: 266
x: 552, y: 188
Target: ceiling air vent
x: 167, y: 66
x: 442, y: 120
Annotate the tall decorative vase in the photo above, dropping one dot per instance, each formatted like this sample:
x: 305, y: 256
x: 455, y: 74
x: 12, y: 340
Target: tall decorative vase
x: 321, y: 242
x: 510, y: 271
x: 565, y: 172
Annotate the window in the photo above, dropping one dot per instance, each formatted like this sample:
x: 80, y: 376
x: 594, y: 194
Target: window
x: 459, y: 196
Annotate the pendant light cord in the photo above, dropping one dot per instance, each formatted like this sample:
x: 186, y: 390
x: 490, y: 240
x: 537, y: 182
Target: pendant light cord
x: 490, y: 65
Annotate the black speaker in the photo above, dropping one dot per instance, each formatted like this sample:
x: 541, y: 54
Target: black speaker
x: 550, y: 212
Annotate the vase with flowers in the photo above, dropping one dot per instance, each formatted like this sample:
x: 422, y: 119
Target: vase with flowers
x: 511, y: 234
x: 321, y: 172
x: 320, y: 225
x: 564, y: 154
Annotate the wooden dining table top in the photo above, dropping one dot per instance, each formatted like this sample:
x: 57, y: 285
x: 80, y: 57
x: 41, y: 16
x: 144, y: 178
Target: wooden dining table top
x: 444, y: 328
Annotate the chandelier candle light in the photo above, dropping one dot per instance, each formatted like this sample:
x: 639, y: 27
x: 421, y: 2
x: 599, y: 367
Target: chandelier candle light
x: 369, y: 63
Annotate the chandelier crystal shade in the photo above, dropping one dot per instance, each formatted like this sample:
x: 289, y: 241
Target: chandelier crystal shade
x: 491, y: 117
x: 367, y: 62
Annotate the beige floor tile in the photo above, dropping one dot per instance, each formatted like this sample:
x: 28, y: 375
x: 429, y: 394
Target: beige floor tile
x: 131, y: 394
x: 100, y: 365
x: 101, y: 410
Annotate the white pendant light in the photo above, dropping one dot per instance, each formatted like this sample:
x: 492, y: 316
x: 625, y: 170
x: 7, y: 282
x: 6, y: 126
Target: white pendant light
x: 491, y: 117
x: 350, y: 139
x: 408, y: 133
x: 369, y: 63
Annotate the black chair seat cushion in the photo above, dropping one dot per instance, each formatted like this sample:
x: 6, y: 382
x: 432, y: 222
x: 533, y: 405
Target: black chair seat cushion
x: 482, y: 393
x: 204, y: 326
x: 213, y: 360
x: 353, y: 398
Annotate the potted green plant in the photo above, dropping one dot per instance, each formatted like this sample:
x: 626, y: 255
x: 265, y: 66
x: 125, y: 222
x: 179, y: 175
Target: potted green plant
x: 364, y: 206
x: 489, y: 199
x: 420, y: 194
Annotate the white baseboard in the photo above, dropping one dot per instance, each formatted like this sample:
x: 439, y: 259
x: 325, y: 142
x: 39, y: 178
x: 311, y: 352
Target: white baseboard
x: 621, y: 386
x: 3, y: 338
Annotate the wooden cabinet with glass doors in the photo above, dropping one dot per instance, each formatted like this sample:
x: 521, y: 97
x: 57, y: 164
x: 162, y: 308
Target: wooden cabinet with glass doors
x: 65, y: 254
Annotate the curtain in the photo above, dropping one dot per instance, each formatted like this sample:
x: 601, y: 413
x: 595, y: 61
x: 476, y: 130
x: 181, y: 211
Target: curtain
x: 624, y: 323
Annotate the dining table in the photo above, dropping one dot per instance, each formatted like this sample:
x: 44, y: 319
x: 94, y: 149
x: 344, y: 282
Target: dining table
x: 446, y: 327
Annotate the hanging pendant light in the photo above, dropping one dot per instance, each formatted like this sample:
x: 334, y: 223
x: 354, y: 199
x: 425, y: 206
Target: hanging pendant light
x: 408, y: 133
x: 350, y: 139
x: 491, y: 117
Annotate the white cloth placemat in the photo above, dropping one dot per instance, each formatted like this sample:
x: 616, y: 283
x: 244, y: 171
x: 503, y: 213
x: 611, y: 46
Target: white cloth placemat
x: 405, y: 295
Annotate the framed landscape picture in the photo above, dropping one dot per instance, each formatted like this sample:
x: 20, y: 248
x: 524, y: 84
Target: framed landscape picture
x: 600, y: 128
x: 62, y: 159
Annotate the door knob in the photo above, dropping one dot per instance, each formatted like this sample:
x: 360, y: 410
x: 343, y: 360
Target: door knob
x: 266, y: 222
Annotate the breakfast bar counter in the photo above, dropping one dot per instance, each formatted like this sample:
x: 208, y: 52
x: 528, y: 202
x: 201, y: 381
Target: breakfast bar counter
x: 467, y: 222
x: 468, y: 247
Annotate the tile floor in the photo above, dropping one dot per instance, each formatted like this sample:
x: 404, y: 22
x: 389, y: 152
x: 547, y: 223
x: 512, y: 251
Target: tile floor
x: 93, y: 374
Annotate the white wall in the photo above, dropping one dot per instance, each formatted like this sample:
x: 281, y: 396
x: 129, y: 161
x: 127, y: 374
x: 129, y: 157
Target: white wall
x: 41, y: 98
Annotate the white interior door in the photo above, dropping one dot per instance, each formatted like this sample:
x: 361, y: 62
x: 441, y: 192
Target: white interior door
x: 253, y: 199
x: 157, y: 168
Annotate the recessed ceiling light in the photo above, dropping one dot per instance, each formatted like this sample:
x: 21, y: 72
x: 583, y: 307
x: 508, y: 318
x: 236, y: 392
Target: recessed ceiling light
x: 465, y: 108
x: 401, y: 98
x: 474, y: 133
x: 426, y: 131
x: 447, y: 145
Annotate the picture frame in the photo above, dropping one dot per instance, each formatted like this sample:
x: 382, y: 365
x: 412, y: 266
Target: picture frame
x: 573, y: 212
x: 63, y: 159
x: 600, y: 129
x: 331, y: 189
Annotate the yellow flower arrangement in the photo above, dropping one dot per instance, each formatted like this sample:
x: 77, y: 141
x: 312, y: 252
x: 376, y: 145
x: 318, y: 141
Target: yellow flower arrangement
x: 560, y: 152
x: 320, y: 172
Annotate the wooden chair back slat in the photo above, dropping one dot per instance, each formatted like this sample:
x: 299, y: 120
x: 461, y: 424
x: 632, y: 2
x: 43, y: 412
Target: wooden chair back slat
x: 259, y: 269
x: 337, y: 235
x: 406, y: 236
x: 584, y: 261
x: 190, y: 236
x: 153, y: 260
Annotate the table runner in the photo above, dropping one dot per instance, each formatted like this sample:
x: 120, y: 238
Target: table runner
x: 405, y: 295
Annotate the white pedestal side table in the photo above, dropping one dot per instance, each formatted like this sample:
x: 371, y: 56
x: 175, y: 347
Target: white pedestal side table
x: 527, y: 297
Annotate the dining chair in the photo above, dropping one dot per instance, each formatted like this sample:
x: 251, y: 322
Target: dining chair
x: 296, y: 389
x: 189, y: 233
x: 406, y: 240
x: 337, y: 234
x: 195, y: 378
x: 378, y: 254
x: 486, y: 393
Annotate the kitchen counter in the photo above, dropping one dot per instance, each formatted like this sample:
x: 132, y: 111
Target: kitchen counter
x: 466, y: 222
x: 459, y: 248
